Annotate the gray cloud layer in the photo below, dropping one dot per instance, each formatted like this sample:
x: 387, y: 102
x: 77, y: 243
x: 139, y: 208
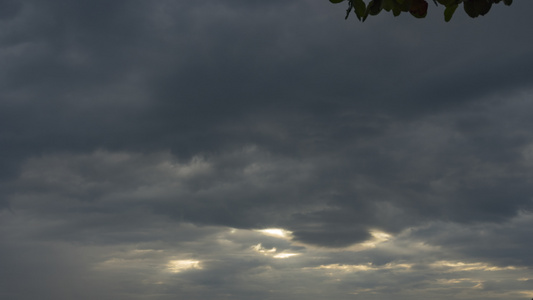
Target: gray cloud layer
x: 143, y: 144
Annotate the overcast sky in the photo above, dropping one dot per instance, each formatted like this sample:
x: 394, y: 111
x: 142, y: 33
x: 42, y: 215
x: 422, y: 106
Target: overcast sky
x: 264, y: 149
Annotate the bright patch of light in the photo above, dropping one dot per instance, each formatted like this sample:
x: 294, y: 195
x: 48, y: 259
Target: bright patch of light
x: 259, y: 248
x: 285, y: 255
x: 528, y: 294
x: 176, y: 266
x: 349, y: 268
x: 272, y: 252
x: 478, y: 284
x: 276, y: 232
x: 461, y: 266
x: 364, y: 267
x: 359, y: 291
x: 378, y: 237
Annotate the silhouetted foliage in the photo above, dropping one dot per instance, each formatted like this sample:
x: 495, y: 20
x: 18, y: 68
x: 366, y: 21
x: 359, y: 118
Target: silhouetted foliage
x: 418, y: 8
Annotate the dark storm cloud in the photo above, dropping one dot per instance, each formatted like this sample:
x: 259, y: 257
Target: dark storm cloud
x: 9, y: 9
x: 162, y: 126
x: 217, y: 84
x: 502, y: 244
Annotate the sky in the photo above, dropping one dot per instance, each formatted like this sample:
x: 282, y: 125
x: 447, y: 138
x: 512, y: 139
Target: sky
x: 269, y: 150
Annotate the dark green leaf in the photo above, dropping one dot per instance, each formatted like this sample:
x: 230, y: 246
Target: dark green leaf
x: 359, y: 8
x: 448, y: 12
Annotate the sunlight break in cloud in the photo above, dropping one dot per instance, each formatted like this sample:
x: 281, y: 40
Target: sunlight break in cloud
x: 177, y: 266
x: 272, y: 252
x: 364, y: 267
x: 527, y: 293
x: 276, y: 232
x: 378, y: 237
x: 259, y: 248
x: 461, y: 266
x: 285, y: 255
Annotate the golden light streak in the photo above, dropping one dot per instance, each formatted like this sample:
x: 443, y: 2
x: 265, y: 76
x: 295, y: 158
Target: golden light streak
x: 456, y: 266
x: 276, y: 232
x: 259, y: 248
x: 378, y: 237
x: 272, y: 252
x: 177, y: 266
x: 285, y: 255
x: 527, y: 293
x: 364, y: 267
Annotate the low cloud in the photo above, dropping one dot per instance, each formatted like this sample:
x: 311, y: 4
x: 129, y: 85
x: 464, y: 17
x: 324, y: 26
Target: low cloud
x: 263, y: 150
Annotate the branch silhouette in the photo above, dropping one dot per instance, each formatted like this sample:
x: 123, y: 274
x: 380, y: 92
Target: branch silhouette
x: 418, y: 8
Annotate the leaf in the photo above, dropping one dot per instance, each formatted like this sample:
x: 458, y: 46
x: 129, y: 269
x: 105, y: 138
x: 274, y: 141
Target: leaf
x: 396, y: 11
x: 475, y: 8
x: 419, y: 8
x: 448, y: 12
x: 447, y: 2
x: 388, y: 4
x: 374, y: 7
x: 359, y: 7
x: 485, y: 8
x: 406, y: 5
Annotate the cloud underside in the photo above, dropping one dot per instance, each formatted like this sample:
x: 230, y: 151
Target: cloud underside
x: 263, y: 150
x: 420, y: 171
x: 160, y: 259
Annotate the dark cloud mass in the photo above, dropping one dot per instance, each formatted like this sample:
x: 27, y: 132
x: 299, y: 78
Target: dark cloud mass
x: 263, y: 150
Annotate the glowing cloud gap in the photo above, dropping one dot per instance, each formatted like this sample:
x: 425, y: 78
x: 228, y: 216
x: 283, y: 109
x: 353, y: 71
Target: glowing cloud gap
x: 285, y: 255
x: 272, y: 252
x: 364, y: 267
x: 177, y: 266
x: 276, y: 232
x: 462, y: 266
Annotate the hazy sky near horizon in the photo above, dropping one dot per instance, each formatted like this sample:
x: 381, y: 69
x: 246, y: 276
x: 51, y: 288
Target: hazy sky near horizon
x: 245, y: 149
